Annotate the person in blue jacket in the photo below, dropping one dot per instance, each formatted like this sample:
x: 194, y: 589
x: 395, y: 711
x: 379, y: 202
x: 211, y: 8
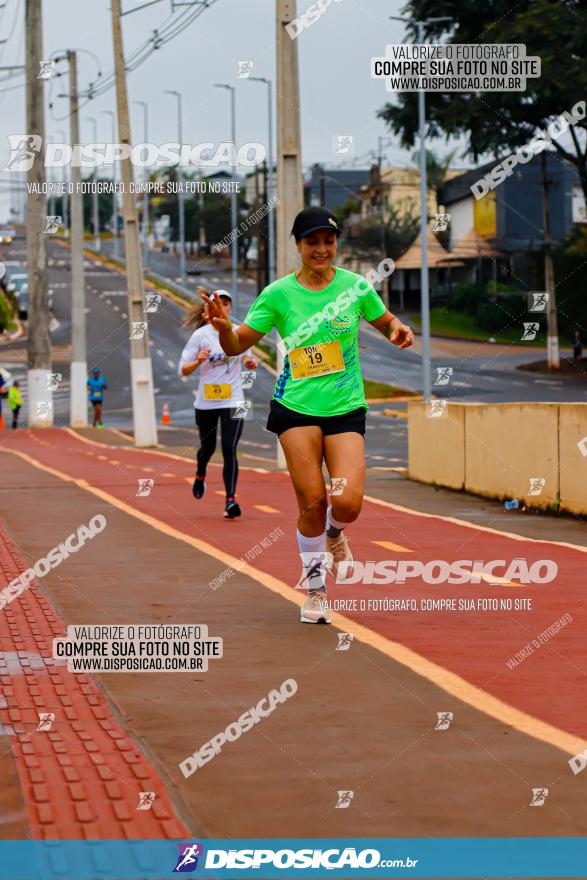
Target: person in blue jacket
x: 96, y: 385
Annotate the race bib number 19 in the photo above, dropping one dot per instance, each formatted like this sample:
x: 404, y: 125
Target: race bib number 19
x: 316, y: 360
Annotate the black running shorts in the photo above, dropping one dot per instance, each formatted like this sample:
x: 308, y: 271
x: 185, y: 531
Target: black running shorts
x: 281, y: 418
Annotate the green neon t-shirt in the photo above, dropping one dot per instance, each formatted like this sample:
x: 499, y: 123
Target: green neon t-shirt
x: 306, y: 317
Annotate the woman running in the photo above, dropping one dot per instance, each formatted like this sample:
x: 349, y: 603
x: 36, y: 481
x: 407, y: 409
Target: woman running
x: 219, y: 393
x: 318, y: 409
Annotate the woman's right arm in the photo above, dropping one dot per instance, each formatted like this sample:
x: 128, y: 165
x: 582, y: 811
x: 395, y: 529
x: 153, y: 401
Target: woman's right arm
x: 188, y: 367
x: 191, y: 357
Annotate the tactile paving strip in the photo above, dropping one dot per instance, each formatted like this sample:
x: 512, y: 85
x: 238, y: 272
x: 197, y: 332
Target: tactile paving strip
x: 81, y: 778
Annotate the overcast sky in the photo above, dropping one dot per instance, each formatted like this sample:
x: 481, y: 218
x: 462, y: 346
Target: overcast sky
x: 337, y: 93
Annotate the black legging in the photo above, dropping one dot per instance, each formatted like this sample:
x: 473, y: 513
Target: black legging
x: 230, y: 432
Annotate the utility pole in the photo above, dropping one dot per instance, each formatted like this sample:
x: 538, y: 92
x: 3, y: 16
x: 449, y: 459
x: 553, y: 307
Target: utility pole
x: 95, y: 206
x: 143, y: 400
x: 115, y: 248
x: 78, y: 415
x: 180, y: 194
x: 289, y: 154
x: 145, y: 107
x: 551, y: 315
x: 271, y: 181
x: 40, y: 402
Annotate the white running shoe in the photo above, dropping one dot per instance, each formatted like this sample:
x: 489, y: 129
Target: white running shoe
x: 339, y: 551
x: 315, y: 608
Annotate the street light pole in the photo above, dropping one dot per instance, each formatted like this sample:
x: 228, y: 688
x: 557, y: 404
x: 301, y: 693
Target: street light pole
x: 96, y: 213
x: 64, y: 195
x: 424, y: 285
x: 270, y: 182
x: 180, y: 194
x: 385, y: 286
x: 145, y: 107
x: 233, y: 221
x: 116, y: 249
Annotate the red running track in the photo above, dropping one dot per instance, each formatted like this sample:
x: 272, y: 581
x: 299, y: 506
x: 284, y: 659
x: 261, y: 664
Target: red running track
x: 550, y: 684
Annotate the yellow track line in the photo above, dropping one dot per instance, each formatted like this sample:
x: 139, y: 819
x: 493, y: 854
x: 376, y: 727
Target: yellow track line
x: 437, y: 675
x: 389, y: 545
x: 172, y: 455
x: 479, y: 528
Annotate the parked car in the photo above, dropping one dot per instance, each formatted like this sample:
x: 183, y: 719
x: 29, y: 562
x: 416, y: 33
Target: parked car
x: 11, y: 267
x: 19, y: 286
x: 15, y: 283
x: 7, y: 234
x: 23, y: 301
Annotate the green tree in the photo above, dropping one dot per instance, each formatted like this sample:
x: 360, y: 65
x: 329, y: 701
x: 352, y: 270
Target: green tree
x: 436, y: 169
x: 498, y: 122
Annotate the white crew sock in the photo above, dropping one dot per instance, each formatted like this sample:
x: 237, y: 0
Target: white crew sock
x: 333, y: 526
x: 313, y: 554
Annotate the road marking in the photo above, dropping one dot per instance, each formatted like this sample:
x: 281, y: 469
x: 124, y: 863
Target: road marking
x: 389, y: 545
x: 437, y: 675
x: 372, y: 498
x: 171, y: 365
x: 266, y: 509
x: 493, y: 579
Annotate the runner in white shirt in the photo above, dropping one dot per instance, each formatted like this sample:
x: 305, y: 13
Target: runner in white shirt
x: 219, y: 398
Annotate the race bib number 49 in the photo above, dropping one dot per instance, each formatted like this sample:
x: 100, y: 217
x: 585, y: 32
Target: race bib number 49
x: 217, y: 392
x: 316, y: 360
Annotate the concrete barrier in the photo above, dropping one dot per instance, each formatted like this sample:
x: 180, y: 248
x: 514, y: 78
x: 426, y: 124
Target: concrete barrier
x: 535, y: 452
x: 573, y: 456
x: 510, y: 448
x: 436, y: 446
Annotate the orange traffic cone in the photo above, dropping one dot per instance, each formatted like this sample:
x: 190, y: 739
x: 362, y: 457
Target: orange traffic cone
x: 166, y: 416
x: 2, y: 425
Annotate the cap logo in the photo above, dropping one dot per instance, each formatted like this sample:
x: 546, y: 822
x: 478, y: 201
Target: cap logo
x: 330, y: 220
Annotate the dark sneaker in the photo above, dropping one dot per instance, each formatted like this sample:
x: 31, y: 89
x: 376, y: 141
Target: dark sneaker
x: 232, y: 509
x: 199, y: 487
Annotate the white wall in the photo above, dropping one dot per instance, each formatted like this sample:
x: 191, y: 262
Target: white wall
x: 461, y: 219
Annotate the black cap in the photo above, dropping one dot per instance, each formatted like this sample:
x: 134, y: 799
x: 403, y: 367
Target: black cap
x: 311, y: 219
